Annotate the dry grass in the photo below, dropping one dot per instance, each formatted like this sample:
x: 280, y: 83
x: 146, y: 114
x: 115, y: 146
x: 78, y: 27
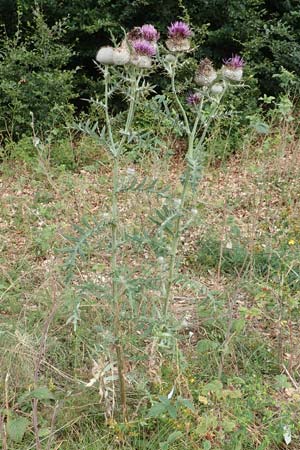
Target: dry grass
x: 258, y: 191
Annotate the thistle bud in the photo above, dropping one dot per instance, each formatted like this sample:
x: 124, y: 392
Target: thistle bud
x: 179, y: 34
x: 121, y: 56
x: 143, y: 62
x: 205, y: 74
x: 232, y: 68
x: 193, y: 99
x: 217, y: 88
x: 105, y: 55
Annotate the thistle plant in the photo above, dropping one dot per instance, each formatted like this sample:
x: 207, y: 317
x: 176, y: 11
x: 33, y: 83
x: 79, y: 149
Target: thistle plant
x: 135, y: 55
x: 203, y: 104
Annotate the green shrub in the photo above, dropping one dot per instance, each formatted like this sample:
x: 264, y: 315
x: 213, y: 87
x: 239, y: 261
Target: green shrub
x: 33, y: 79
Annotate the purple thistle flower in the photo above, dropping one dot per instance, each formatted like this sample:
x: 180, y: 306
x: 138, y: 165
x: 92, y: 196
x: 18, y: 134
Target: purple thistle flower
x: 149, y: 33
x: 143, y: 47
x: 179, y: 30
x: 193, y: 98
x: 235, y: 62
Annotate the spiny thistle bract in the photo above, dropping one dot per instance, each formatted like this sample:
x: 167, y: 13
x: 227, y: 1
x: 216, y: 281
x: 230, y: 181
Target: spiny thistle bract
x: 179, y: 34
x: 194, y: 98
x: 232, y: 68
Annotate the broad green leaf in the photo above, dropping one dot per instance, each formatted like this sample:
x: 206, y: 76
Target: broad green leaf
x: 165, y: 400
x: 282, y: 382
x: 157, y: 410
x: 172, y: 411
x: 228, y: 425
x: 231, y: 393
x: 186, y: 403
x: 163, y: 446
x: 261, y: 128
x: 40, y: 393
x: 43, y: 432
x: 206, y: 423
x: 206, y: 345
x: 174, y: 436
x: 214, y: 386
x: 16, y: 428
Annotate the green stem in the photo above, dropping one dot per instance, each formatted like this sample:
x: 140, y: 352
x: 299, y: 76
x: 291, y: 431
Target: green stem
x: 114, y: 263
x: 132, y: 104
x: 211, y: 117
x: 177, y: 232
x: 116, y: 152
x: 184, y: 115
x: 192, y: 152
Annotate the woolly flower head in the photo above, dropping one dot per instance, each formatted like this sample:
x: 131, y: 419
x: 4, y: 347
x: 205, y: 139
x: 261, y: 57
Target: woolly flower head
x: 143, y: 48
x: 235, y: 62
x: 149, y: 33
x: 105, y: 55
x: 205, y: 73
x: 179, y: 30
x: 193, y: 98
x: 232, y: 68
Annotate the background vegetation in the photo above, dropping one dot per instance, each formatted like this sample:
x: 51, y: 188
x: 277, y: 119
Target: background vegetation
x: 47, y: 56
x: 225, y: 373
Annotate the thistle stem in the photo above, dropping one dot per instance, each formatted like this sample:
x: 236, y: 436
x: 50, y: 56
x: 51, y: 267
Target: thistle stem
x: 132, y: 104
x: 114, y: 263
x: 115, y: 225
x: 193, y: 152
x: 184, y: 115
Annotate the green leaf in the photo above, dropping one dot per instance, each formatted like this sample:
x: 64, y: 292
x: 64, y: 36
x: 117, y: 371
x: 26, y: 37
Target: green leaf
x: 41, y: 393
x: 186, y: 403
x: 172, y: 411
x: 214, y: 386
x: 174, y: 436
x: 16, y: 428
x: 261, y: 128
x: 228, y: 425
x: 238, y: 325
x: 282, y: 382
x: 163, y: 446
x: 206, y: 445
x: 157, y: 410
x: 206, y: 423
x: 43, y: 432
x: 206, y: 345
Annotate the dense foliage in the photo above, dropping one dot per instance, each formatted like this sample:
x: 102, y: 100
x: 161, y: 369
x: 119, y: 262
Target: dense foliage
x: 33, y: 80
x: 267, y: 31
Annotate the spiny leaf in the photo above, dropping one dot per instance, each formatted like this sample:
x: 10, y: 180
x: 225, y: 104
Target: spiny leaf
x: 16, y: 428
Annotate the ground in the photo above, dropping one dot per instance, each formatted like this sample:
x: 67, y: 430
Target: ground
x: 235, y: 307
